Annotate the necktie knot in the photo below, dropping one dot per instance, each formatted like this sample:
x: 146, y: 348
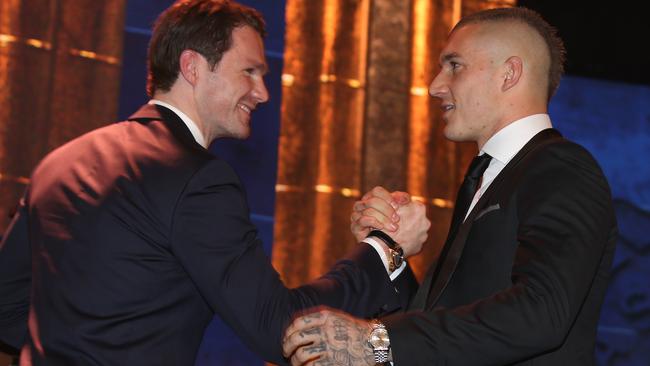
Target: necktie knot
x: 478, y: 166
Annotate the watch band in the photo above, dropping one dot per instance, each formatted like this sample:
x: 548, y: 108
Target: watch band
x: 396, y: 257
x: 381, y: 356
x: 392, y: 244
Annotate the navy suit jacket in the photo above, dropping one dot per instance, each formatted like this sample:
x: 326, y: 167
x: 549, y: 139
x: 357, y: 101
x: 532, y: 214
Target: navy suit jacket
x: 523, y: 281
x: 132, y: 237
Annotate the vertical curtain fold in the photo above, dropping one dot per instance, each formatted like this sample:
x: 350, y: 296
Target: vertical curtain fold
x: 356, y: 113
x: 60, y: 65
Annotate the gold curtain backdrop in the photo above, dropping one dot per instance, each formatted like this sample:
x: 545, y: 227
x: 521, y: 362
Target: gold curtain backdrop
x: 59, y: 71
x: 355, y: 114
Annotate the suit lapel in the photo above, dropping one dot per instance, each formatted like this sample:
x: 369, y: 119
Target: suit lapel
x: 448, y: 264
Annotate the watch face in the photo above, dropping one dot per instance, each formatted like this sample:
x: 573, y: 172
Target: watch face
x: 397, y: 259
x: 379, y: 339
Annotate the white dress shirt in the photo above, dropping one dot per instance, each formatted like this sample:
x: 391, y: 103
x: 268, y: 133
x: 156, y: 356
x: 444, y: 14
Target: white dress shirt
x: 505, y: 144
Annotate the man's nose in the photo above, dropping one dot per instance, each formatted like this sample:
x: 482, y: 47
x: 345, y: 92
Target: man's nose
x: 438, y: 86
x: 260, y: 93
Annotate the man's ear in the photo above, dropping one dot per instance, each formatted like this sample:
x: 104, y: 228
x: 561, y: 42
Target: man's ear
x: 189, y: 62
x: 513, y: 67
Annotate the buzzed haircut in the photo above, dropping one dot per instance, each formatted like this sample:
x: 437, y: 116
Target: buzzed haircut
x: 531, y: 18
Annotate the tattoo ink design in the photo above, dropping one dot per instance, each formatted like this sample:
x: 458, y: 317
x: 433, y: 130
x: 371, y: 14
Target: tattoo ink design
x: 310, y: 331
x: 340, y: 330
x: 309, y: 318
x: 345, y: 341
x: 316, y: 348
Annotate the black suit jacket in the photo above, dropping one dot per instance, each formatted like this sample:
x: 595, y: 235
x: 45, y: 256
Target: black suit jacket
x: 137, y: 237
x: 523, y: 281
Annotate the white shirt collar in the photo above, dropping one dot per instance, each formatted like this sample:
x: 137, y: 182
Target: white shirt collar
x: 191, y: 125
x: 507, y: 142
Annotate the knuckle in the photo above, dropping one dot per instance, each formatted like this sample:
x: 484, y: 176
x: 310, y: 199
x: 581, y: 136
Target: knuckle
x: 368, y: 212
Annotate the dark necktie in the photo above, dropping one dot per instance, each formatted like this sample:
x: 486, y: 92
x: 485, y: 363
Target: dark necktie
x: 467, y: 191
x: 463, y: 200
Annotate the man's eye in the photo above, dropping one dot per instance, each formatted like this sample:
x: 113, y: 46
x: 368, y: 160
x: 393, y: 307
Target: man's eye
x: 454, y: 65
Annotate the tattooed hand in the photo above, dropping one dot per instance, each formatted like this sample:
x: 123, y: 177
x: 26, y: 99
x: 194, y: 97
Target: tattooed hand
x: 328, y: 337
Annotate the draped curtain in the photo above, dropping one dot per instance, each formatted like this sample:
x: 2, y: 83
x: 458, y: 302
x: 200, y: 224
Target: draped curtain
x: 60, y: 66
x: 355, y: 114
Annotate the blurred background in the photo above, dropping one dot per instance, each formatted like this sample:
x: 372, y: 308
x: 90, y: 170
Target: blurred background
x: 349, y: 110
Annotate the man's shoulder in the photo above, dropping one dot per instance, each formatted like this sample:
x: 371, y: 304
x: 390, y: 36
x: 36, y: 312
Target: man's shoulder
x: 562, y: 152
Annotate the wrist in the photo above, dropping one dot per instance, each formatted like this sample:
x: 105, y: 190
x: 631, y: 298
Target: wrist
x: 395, y: 254
x: 379, y: 342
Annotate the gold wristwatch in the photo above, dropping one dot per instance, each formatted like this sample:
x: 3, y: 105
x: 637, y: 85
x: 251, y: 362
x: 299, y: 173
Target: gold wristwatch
x: 396, y: 257
x: 379, y: 341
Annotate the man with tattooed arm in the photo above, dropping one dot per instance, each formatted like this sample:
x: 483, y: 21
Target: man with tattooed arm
x: 523, y: 272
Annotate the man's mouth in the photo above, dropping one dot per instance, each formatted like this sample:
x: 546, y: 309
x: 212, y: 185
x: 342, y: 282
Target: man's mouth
x: 447, y: 107
x: 245, y: 108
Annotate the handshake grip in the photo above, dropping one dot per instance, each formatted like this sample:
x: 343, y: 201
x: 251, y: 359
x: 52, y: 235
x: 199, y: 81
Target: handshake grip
x: 396, y: 215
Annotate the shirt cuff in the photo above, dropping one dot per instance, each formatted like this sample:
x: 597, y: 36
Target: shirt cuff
x: 380, y: 250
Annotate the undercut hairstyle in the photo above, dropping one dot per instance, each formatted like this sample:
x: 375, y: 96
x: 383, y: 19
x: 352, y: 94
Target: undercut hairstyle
x: 204, y: 26
x: 535, y: 21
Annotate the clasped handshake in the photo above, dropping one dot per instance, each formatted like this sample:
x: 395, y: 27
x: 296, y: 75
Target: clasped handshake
x: 326, y: 336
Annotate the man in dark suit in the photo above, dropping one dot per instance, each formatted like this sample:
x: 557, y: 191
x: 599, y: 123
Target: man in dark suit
x: 131, y: 237
x: 524, y: 270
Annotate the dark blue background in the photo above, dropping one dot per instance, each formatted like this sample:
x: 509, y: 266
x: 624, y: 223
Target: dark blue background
x: 611, y: 119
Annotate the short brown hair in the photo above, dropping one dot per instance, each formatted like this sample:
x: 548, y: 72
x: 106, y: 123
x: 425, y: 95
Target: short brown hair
x: 204, y: 26
x: 535, y: 21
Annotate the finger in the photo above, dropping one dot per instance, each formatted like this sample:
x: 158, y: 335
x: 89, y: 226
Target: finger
x: 382, y: 206
x: 378, y: 192
x: 307, y: 320
x: 355, y: 216
x: 299, y: 331
x: 375, y: 220
x: 308, y: 354
x: 359, y: 206
x: 299, y: 339
x: 359, y: 232
x: 384, y: 213
x: 401, y: 198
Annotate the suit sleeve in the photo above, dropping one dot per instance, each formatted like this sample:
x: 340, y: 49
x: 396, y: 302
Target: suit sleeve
x: 219, y: 248
x: 565, y: 222
x: 15, y: 281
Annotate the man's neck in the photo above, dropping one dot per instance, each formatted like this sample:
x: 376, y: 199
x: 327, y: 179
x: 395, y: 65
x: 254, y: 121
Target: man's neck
x: 190, y: 121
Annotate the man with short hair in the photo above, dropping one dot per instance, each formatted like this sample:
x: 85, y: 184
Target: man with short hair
x: 132, y: 237
x: 523, y: 273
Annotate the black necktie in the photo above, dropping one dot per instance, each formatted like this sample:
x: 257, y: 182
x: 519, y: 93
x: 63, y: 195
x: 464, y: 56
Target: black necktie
x: 467, y: 191
x: 463, y: 200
